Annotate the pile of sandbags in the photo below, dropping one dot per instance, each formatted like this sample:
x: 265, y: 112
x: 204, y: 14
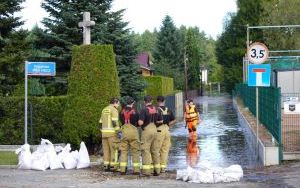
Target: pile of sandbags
x: 46, y: 156
x: 208, y: 174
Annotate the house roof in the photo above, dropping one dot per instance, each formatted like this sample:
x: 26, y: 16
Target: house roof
x: 144, y: 60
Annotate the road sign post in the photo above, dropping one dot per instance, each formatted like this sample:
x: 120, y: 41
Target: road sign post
x: 35, y: 69
x: 258, y: 75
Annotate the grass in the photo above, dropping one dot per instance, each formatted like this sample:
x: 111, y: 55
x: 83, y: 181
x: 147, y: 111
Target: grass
x: 8, y: 158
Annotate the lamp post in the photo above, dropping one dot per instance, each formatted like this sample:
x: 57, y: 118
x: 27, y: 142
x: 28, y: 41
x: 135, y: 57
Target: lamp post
x: 201, y: 79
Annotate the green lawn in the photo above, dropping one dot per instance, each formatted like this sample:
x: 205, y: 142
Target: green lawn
x: 8, y: 158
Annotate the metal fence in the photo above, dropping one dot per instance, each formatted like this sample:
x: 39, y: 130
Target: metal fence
x: 269, y: 106
x: 290, y: 122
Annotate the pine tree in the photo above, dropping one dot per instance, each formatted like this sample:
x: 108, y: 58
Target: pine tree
x: 168, y: 52
x: 13, y: 47
x: 62, y: 32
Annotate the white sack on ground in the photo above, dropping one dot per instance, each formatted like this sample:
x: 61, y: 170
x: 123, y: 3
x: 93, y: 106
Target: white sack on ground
x: 39, y: 160
x: 83, y: 158
x: 53, y: 159
x: 24, y: 156
x: 208, y: 174
x: 69, y: 158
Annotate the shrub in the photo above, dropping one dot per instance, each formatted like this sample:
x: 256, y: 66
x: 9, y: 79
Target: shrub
x: 93, y: 81
x: 47, y: 116
x: 159, y: 85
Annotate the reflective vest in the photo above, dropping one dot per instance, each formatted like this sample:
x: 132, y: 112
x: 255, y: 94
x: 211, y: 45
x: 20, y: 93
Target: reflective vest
x: 190, y: 113
x: 165, y: 114
x: 108, y: 115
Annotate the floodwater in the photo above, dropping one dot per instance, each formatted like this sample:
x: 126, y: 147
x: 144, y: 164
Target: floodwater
x: 220, y: 139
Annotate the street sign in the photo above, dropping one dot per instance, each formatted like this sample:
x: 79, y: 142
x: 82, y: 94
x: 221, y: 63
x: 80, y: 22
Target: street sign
x: 259, y: 75
x: 41, y: 69
x: 257, y: 53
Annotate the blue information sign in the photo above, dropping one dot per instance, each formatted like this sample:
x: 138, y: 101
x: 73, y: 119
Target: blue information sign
x: 41, y: 68
x: 259, y: 75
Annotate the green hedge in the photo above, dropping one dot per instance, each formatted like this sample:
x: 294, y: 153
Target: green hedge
x: 93, y: 81
x: 47, y: 119
x: 159, y: 85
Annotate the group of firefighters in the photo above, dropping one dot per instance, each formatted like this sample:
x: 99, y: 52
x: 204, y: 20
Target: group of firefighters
x: 120, y: 132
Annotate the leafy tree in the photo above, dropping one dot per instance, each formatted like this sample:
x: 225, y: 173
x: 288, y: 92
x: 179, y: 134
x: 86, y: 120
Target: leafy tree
x: 231, y: 46
x: 146, y: 41
x: 281, y: 13
x: 62, y: 32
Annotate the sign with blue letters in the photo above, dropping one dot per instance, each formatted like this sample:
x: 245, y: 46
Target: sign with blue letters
x: 41, y: 69
x: 259, y: 75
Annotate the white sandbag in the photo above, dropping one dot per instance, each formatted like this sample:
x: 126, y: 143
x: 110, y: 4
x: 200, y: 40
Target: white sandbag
x: 83, y: 157
x: 69, y: 161
x: 53, y: 159
x: 209, y: 174
x: 39, y: 161
x: 24, y: 156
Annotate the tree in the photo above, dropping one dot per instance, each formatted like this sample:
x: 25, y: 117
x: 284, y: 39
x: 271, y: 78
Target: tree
x: 13, y: 47
x: 231, y: 46
x: 168, y: 52
x: 146, y: 41
x: 62, y: 32
x: 281, y: 13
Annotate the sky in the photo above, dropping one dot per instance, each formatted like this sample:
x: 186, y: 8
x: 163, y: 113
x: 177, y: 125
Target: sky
x: 208, y: 15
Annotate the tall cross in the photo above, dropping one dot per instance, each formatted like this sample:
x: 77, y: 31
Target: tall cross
x: 86, y: 25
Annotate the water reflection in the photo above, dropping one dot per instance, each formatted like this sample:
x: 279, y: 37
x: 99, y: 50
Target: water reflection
x: 192, y: 151
x: 220, y: 138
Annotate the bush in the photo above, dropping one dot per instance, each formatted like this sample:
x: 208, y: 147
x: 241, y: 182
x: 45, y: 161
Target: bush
x: 159, y: 85
x: 93, y: 81
x: 47, y: 119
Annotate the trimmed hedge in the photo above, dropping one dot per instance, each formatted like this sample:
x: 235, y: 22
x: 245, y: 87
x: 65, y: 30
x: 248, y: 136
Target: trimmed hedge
x: 93, y: 81
x: 159, y: 85
x: 47, y: 119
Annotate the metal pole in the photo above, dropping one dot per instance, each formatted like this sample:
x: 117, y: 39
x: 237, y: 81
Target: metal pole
x: 243, y: 69
x: 185, y: 72
x: 248, y: 37
x: 25, y: 118
x: 257, y: 119
x: 31, y: 129
x: 272, y: 26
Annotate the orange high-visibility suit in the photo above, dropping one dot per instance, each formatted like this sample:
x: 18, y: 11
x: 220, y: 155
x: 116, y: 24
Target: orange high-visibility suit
x: 191, y: 116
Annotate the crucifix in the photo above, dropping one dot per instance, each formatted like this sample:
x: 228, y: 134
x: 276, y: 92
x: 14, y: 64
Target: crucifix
x: 86, y: 25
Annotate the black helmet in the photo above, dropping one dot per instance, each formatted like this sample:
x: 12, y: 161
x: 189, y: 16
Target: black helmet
x: 160, y: 98
x: 129, y: 100
x: 147, y: 98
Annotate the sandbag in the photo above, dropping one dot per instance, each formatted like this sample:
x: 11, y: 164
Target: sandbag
x: 209, y: 174
x: 24, y: 156
x: 68, y: 158
x: 83, y: 158
x: 39, y: 161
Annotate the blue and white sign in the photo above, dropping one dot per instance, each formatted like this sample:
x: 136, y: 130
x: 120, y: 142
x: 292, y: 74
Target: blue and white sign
x: 41, y: 69
x: 259, y: 75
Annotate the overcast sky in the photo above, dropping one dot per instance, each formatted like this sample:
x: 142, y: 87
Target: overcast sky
x: 208, y: 15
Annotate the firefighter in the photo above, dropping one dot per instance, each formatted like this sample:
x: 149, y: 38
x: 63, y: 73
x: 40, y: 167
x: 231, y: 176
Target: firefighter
x: 130, y: 137
x: 163, y: 134
x: 191, y: 116
x: 148, y: 118
x: 110, y: 128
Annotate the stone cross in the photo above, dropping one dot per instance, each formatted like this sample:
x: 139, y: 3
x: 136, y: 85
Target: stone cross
x: 86, y: 25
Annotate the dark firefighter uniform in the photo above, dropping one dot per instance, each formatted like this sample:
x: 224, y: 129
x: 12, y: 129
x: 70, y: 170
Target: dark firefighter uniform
x: 130, y: 139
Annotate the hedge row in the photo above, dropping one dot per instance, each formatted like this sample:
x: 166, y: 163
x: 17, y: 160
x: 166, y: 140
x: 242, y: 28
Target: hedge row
x: 93, y: 81
x: 159, y: 85
x: 47, y: 119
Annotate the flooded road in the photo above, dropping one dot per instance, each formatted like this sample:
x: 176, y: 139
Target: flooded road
x: 220, y: 140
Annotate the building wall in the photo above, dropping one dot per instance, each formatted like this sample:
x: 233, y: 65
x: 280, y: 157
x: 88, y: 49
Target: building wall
x: 289, y: 81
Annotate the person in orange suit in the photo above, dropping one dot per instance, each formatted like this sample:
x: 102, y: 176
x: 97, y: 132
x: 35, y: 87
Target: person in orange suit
x: 191, y: 116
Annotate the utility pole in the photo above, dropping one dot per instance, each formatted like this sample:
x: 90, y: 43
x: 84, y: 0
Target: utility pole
x: 185, y: 73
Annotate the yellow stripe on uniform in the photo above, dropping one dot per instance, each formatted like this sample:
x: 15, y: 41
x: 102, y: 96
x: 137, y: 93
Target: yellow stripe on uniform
x: 146, y: 167
x: 123, y: 164
x: 157, y: 166
x: 108, y: 131
x: 163, y: 165
x: 136, y: 164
